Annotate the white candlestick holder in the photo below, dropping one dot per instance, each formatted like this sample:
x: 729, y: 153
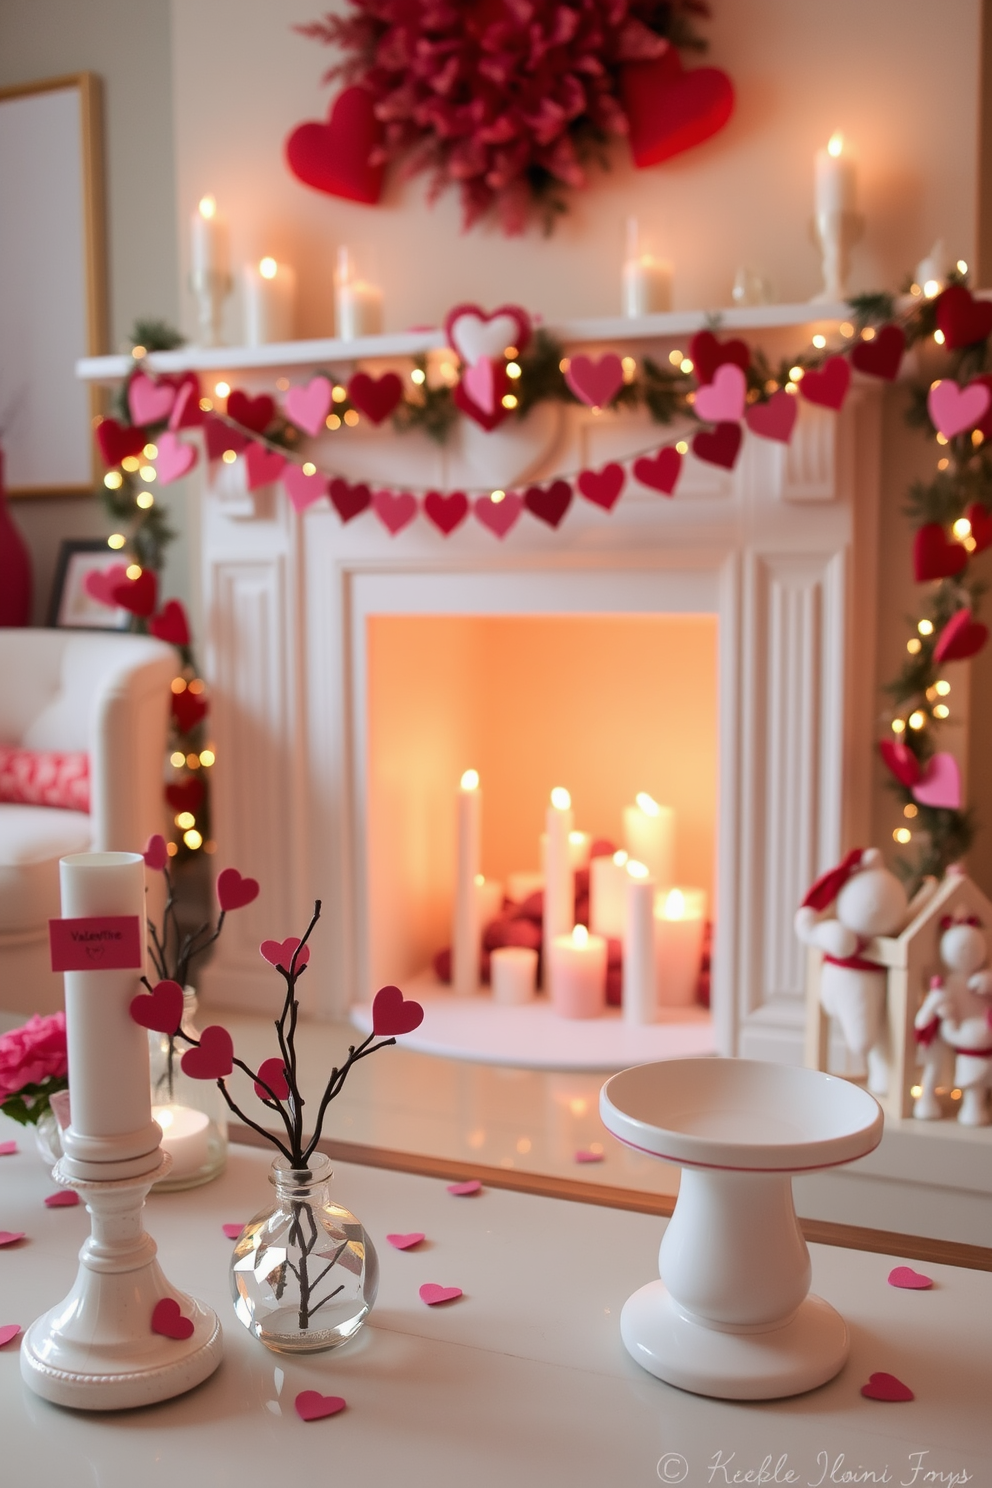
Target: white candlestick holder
x: 836, y: 232
x: 732, y: 1316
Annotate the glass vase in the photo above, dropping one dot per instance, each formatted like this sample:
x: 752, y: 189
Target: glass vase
x: 304, y: 1274
x: 48, y: 1138
x: 191, y: 1113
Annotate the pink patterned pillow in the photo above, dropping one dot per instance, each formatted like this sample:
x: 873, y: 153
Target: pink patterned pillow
x: 45, y: 777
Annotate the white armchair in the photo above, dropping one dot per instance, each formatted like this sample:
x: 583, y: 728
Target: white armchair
x: 107, y: 694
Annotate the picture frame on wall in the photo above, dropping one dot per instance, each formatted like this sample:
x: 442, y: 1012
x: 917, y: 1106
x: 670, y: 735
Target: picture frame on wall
x: 71, y: 606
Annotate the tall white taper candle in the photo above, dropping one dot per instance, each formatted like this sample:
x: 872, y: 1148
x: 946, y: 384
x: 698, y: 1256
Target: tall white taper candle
x: 640, y: 975
x: 559, y: 878
x: 465, y: 940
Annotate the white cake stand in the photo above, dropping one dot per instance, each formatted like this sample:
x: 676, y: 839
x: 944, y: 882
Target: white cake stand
x: 731, y: 1316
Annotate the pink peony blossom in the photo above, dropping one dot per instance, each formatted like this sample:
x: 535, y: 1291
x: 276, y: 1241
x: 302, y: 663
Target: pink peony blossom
x: 32, y: 1053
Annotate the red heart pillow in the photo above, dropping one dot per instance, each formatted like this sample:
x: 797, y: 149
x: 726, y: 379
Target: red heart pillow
x: 669, y: 110
x: 335, y: 157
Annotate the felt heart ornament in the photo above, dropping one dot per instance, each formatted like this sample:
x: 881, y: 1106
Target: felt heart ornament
x: 981, y: 526
x: 935, y: 555
x: 394, y: 1014
x: 883, y: 1386
x: 446, y: 511
x: 484, y: 383
x: 186, y: 411
x: 213, y: 1058
x: 185, y: 795
x: 584, y: 1156
x: 188, y: 708
x: 775, y: 419
x: 912, y: 1281
x: 272, y: 1073
x: 722, y: 400
x: 602, y: 487
x: 719, y: 446
x: 336, y: 156
x: 280, y: 952
x: 707, y: 353
x: 661, y: 471
x: 138, y: 596
x: 8, y: 1332
x: 954, y: 409
x: 395, y: 509
x: 960, y: 638
x: 263, y: 466
x: 66, y: 1198
x: 219, y: 437
x: 307, y: 407
x: 467, y: 404
x: 232, y: 1231
x: 303, y: 489
x: 432, y: 1294
x: 161, y: 1009
x: 174, y: 459
x: 233, y: 891
x: 595, y: 383
x: 901, y: 761
x: 255, y: 414
x: 405, y: 1242
x: 117, y: 441
x: 156, y: 853
x: 11, y: 1237
x: 940, y: 783
x: 167, y: 1319
x: 170, y: 624
x: 549, y: 503
x: 349, y: 501
x: 499, y: 516
x: 669, y: 110
x: 149, y: 402
x: 827, y: 386
x: 101, y: 583
x: 376, y: 397
x: 476, y: 335
x: 464, y: 1190
x: 882, y: 355
x: 7, y: 1149
x: 312, y: 1406
x: 963, y: 319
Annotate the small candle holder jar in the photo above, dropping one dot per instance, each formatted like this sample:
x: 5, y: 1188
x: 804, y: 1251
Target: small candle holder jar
x: 191, y: 1113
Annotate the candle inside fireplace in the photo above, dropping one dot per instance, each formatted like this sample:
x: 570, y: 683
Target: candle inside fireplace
x: 836, y: 178
x: 577, y: 974
x: 608, y: 895
x: 466, y: 931
x: 513, y: 975
x: 184, y: 1137
x: 680, y: 917
x: 640, y: 976
x: 559, y: 877
x: 270, y: 294
x: 649, y: 834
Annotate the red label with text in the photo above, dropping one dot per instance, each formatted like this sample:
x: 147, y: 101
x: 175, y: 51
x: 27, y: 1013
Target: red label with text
x: 96, y: 943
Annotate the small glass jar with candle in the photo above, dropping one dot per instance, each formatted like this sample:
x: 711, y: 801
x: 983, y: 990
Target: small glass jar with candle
x: 191, y: 1113
x: 357, y: 302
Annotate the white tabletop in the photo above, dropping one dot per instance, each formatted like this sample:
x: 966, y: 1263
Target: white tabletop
x: 521, y: 1382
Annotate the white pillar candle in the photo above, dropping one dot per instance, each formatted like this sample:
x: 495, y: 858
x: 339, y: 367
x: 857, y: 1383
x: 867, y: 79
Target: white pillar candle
x: 184, y: 1137
x: 466, y: 932
x: 209, y: 250
x: 559, y: 879
x: 579, y: 846
x: 489, y: 900
x: 513, y: 975
x: 111, y: 1132
x: 576, y: 974
x: 649, y: 834
x: 680, y: 917
x: 640, y: 978
x: 646, y: 282
x: 270, y: 300
x: 608, y: 895
x: 836, y: 178
x: 357, y: 303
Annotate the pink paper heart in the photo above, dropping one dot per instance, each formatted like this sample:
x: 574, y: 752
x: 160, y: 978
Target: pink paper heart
x: 280, y: 952
x: 214, y: 1059
x: 307, y: 407
x: 432, y: 1294
x: 11, y: 1237
x: 232, y: 1231
x: 302, y: 489
x: 474, y: 334
x: 479, y: 381
x: 582, y: 1156
x: 660, y: 471
x: 395, y: 509
x: 595, y: 383
x: 233, y: 891
x: 940, y: 783
x: 66, y: 1198
x: 775, y: 419
x: 913, y: 1281
x: 8, y: 1332
x: 101, y: 583
x: 161, y: 1010
x: 446, y: 511
x: 405, y: 1242
x: 954, y: 409
x: 264, y: 466
x: 960, y: 638
x: 149, y: 402
x: 392, y: 1013
x: 312, y: 1406
x: 273, y: 1073
x: 882, y: 1386
x: 602, y: 487
x: 168, y: 1321
x: 722, y: 400
x: 499, y: 516
x: 7, y: 1149
x: 156, y: 853
x: 174, y: 458
x: 463, y: 1190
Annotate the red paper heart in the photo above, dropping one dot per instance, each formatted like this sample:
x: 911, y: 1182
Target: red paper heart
x: 883, y: 1386
x: 336, y: 156
x: 8, y: 1332
x: 549, y: 503
x: 669, y: 110
x: 446, y: 511
x: 775, y: 419
x: 393, y: 1014
x: 233, y: 891
x: 303, y: 489
x: 719, y: 446
x: 149, y: 402
x: 174, y: 459
x: 464, y: 1190
x: 395, y: 509
x: 405, y: 1242
x: 156, y: 853
x: 117, y: 441
x: 307, y: 407
x: 185, y: 795
x: 186, y: 411
x: 913, y: 1281
x: 981, y: 526
x: 138, y: 596
x: 220, y: 437
x: 882, y: 355
x: 101, y: 583
x: 499, y: 516
x: 169, y: 1321
x: 251, y: 413
x: 475, y: 334
x: 432, y: 1294
x: 213, y: 1059
x: 939, y: 783
x: 960, y: 638
x: 661, y: 471
x: 232, y: 1231
x: 273, y: 1073
x: 170, y: 624
x: 312, y: 1406
x: 11, y: 1237
x: 376, y: 397
x: 595, y: 383
x: 280, y: 952
x: 66, y: 1198
x: 161, y: 1010
x: 828, y: 386
x: 263, y: 466
x: 707, y: 353
x: 484, y: 385
x: 901, y: 760
x: 349, y: 501
x: 188, y: 708
x: 602, y: 487
x: 963, y: 319
x: 935, y: 556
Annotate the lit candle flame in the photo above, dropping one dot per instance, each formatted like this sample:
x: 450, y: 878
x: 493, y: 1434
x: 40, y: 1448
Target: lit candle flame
x: 648, y: 804
x: 268, y: 268
x: 470, y: 780
x: 675, y: 905
x: 620, y: 858
x: 637, y: 870
x: 835, y: 144
x: 560, y: 799
x: 580, y: 935
x: 480, y: 879
x: 208, y: 207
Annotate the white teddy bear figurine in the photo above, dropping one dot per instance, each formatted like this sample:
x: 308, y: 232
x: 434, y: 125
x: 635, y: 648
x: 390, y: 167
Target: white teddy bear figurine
x: 959, y: 1008
x: 870, y: 901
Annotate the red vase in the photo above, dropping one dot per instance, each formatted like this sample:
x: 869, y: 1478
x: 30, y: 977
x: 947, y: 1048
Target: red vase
x: 15, y: 567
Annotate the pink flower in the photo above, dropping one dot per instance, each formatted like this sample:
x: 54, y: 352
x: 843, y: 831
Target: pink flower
x: 32, y: 1053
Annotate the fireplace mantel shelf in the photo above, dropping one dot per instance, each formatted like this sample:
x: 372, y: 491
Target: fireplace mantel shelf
x: 413, y: 343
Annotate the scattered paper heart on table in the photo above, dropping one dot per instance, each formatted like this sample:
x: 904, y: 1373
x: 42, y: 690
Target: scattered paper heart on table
x: 393, y: 1014
x: 405, y: 1242
x: 66, y: 1198
x: 232, y: 1231
x: 11, y: 1237
x: 8, y: 1332
x: 312, y: 1406
x: 462, y: 1190
x: 432, y: 1294
x: 882, y: 1386
x: 213, y: 1059
x: 583, y: 1156
x: 912, y: 1281
x: 280, y: 952
x: 161, y: 1010
x: 167, y: 1319
x: 7, y: 1149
